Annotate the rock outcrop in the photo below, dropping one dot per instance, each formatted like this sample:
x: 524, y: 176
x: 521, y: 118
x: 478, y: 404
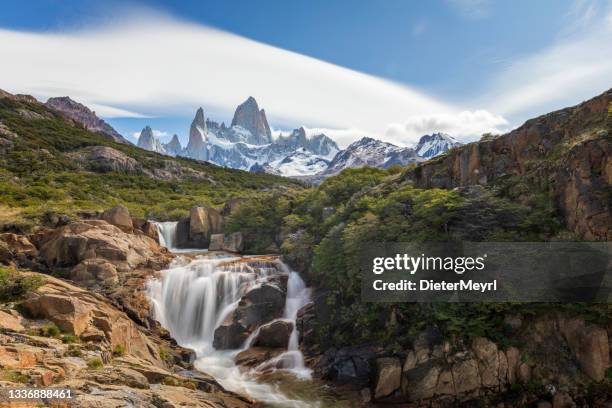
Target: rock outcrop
x: 82, y: 115
x: 566, y: 152
x: 274, y: 334
x: 196, y: 147
x: 249, y: 117
x: 258, y: 306
x: 106, y: 159
x: 81, y: 313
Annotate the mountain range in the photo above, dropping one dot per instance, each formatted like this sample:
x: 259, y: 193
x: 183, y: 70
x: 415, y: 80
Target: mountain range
x: 248, y: 144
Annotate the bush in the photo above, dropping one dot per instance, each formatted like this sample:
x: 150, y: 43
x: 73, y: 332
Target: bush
x: 95, y: 363
x: 15, y: 285
x: 119, y: 350
x: 69, y: 338
x: 49, y: 330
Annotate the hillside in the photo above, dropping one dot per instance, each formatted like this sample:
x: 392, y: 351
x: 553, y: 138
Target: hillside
x: 50, y: 164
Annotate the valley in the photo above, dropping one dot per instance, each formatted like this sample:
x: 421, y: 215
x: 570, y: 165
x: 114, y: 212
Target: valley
x: 136, y: 277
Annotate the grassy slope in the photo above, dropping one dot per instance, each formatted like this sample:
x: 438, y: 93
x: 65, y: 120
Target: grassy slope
x: 36, y: 175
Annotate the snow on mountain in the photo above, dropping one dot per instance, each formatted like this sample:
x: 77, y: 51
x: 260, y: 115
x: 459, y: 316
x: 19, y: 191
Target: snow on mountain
x: 435, y: 144
x: 371, y: 152
x: 300, y: 163
x: 248, y: 145
x: 148, y: 141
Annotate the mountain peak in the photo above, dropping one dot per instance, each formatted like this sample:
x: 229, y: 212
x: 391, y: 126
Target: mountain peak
x: 435, y: 144
x: 250, y: 117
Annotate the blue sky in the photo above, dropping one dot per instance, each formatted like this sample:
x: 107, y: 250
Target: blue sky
x: 462, y: 66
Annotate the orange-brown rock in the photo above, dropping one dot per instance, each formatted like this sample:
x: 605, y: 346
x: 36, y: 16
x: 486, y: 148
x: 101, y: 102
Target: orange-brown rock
x: 566, y: 152
x: 78, y: 311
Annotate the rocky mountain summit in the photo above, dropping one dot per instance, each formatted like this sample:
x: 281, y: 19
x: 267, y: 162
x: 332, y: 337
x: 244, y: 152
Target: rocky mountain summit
x: 247, y: 143
x: 435, y: 144
x: 250, y: 117
x: 84, y: 116
x: 373, y: 153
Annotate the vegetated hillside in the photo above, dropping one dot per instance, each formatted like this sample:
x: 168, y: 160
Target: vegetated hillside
x: 51, y: 164
x: 565, y: 154
x: 323, y: 231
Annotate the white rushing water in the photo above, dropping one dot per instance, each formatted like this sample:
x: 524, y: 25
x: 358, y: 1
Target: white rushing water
x: 167, y: 237
x: 193, y: 297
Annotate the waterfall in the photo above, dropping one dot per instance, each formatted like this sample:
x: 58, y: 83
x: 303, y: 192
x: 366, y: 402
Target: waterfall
x: 193, y: 297
x: 167, y: 234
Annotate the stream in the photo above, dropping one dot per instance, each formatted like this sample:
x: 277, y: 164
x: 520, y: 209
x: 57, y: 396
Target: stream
x: 193, y: 297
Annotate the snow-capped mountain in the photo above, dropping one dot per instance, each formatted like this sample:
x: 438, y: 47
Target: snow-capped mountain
x: 371, y: 152
x: 435, y: 144
x: 248, y: 144
x: 148, y: 141
x: 302, y: 162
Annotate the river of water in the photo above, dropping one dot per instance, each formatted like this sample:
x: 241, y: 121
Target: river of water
x: 194, y: 296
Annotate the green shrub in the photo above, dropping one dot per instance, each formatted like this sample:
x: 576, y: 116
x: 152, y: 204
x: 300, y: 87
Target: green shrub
x: 49, y: 330
x: 95, y: 363
x: 69, y: 338
x: 118, y: 350
x: 15, y: 285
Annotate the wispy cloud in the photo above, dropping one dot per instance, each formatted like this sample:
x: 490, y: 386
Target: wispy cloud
x: 471, y: 9
x: 576, y: 67
x: 156, y: 65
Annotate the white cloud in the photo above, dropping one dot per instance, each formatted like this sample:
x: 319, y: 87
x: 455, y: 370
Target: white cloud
x: 464, y: 125
x: 150, y: 65
x: 113, y: 112
x: 576, y: 67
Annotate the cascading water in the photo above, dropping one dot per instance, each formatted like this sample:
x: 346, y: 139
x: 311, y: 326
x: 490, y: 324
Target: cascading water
x: 167, y: 234
x: 193, y: 297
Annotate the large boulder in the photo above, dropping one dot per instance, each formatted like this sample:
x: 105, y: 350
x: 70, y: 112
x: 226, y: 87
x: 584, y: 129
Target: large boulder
x: 106, y: 159
x: 258, y: 306
x: 274, y: 334
x: 119, y: 216
x: 91, y: 271
x: 388, y: 377
x: 73, y: 243
x: 196, y: 230
x: 350, y: 366
x: 216, y: 242
x: 147, y: 227
x: 233, y: 242
x: 81, y: 313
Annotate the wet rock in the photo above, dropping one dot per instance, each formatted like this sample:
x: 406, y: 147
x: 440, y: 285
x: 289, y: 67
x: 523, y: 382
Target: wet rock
x: 233, y: 242
x: 420, y: 382
x: 216, y: 242
x: 258, y: 306
x: 388, y: 377
x: 274, y: 335
x: 254, y: 356
x: 119, y: 216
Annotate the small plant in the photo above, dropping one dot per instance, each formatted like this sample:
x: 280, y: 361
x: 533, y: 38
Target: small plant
x: 69, y: 338
x: 50, y: 330
x: 118, y: 350
x: 165, y: 355
x: 15, y: 285
x: 74, y: 351
x: 14, y: 376
x: 95, y: 363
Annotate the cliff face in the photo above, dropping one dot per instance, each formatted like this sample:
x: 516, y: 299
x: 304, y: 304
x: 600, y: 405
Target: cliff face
x: 566, y: 152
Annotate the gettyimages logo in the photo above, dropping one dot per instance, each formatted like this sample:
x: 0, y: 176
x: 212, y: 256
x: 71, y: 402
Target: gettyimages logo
x: 411, y: 264
x: 487, y: 272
